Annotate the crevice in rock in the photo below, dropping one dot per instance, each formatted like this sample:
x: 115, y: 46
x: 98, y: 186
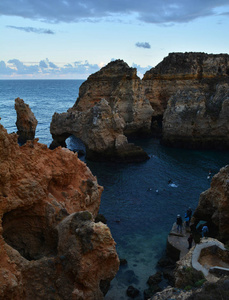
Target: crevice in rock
x: 29, y: 234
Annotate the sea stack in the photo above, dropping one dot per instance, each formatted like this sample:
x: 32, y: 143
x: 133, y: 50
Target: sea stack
x: 26, y: 121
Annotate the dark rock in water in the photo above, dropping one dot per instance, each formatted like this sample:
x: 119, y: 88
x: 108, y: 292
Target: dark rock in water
x: 151, y: 291
x: 26, y: 121
x: 132, y: 292
x: 123, y: 262
x: 100, y: 218
x: 155, y: 279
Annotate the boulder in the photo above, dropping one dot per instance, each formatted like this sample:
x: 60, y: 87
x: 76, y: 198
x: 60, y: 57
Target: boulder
x: 26, y: 121
x: 51, y: 248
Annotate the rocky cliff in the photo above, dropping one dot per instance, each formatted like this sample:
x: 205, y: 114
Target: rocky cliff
x: 184, y: 99
x: 109, y: 108
x: 26, y: 121
x: 213, y: 206
x: 50, y: 246
x: 190, y: 90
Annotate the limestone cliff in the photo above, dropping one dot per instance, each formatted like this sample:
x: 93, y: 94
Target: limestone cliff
x: 184, y: 99
x: 190, y: 90
x: 109, y: 108
x: 213, y: 206
x: 50, y: 247
x: 26, y: 121
x: 120, y: 86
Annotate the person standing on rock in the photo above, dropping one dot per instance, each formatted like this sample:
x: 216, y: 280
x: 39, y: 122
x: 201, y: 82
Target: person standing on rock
x: 190, y: 239
x: 179, y: 224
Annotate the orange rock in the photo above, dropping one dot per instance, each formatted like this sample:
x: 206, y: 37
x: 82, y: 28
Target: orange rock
x: 50, y: 247
x: 26, y: 121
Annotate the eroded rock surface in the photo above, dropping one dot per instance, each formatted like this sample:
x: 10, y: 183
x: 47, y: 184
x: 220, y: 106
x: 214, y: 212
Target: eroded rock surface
x: 26, y: 121
x: 191, y: 92
x: 184, y: 99
x: 109, y: 108
x: 50, y: 247
x: 213, y: 206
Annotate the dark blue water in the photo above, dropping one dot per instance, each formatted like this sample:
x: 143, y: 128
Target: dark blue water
x: 137, y: 201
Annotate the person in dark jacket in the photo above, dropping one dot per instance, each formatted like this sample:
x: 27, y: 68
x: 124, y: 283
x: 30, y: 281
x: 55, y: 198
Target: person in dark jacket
x: 179, y: 224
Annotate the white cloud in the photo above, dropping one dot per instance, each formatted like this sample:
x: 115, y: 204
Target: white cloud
x: 152, y: 11
x: 46, y: 69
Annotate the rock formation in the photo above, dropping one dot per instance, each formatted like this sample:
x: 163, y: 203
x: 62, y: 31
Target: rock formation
x: 26, y: 122
x: 50, y: 246
x: 184, y: 99
x: 191, y: 92
x: 109, y: 107
x: 213, y: 206
x: 120, y: 86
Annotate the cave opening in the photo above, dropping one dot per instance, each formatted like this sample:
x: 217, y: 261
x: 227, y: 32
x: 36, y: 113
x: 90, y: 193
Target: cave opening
x: 29, y: 234
x: 75, y: 144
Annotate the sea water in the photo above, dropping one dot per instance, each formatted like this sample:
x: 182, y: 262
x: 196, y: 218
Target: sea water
x: 138, y: 202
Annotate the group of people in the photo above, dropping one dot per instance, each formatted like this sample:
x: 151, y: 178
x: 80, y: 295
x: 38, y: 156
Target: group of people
x: 188, y: 216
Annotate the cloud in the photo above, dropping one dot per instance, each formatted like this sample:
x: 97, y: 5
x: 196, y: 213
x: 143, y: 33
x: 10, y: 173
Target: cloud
x: 143, y: 45
x: 32, y: 29
x: 152, y: 11
x: 46, y: 69
x: 15, y: 68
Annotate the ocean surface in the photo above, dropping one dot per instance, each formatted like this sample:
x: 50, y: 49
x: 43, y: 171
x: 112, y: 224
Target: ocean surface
x: 138, y: 203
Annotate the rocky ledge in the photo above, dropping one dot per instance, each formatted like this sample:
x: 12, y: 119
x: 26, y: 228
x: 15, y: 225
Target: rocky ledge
x: 50, y: 246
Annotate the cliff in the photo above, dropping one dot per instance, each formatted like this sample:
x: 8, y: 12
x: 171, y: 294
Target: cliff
x: 26, y: 121
x: 213, y: 206
x: 184, y: 100
x: 50, y: 246
x: 190, y: 90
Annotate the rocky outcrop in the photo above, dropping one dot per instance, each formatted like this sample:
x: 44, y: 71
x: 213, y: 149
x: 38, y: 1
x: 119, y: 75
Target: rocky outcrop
x: 50, y: 246
x: 184, y: 99
x: 191, y: 92
x: 26, y: 121
x: 120, y: 86
x: 213, y: 206
x: 109, y: 108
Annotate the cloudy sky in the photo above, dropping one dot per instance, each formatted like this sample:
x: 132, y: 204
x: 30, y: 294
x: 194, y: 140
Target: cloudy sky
x: 72, y: 39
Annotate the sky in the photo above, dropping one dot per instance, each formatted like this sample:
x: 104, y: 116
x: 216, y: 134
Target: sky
x: 71, y: 39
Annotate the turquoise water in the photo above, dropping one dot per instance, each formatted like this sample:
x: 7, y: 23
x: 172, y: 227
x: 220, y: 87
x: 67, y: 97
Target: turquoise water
x: 137, y: 201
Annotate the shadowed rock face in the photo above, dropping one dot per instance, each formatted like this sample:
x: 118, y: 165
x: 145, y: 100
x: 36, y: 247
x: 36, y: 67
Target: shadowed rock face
x: 50, y: 246
x: 190, y: 90
x: 213, y: 206
x: 26, y: 122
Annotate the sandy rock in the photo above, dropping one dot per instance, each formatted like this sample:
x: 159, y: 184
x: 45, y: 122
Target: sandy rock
x: 26, y: 121
x: 50, y: 247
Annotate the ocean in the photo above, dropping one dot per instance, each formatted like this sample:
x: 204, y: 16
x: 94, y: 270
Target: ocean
x: 138, y: 203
